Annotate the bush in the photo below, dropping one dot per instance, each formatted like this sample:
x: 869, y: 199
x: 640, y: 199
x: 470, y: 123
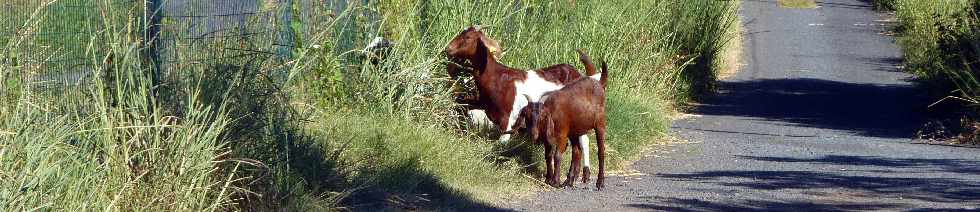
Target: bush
x: 941, y: 43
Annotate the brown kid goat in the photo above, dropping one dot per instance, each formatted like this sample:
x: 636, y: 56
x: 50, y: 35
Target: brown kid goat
x: 566, y: 114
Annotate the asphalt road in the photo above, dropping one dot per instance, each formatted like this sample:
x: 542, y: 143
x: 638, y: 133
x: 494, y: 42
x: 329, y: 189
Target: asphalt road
x: 820, y: 118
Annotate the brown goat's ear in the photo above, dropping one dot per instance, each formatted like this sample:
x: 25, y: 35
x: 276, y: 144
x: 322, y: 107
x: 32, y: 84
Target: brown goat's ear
x: 491, y: 45
x: 519, y: 123
x: 549, y: 128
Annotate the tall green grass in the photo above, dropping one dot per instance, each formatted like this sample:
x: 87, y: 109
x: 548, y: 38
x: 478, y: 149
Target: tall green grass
x: 941, y: 44
x: 660, y: 53
x: 106, y: 146
x: 327, y: 127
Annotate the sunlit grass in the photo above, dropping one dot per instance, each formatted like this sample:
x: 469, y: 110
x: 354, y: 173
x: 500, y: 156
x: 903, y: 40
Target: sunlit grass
x: 799, y: 4
x: 328, y: 127
x: 939, y: 40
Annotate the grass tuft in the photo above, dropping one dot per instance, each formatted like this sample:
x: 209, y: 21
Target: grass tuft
x: 798, y: 4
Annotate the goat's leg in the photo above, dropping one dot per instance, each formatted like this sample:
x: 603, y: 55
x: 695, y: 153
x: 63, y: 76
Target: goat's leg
x: 584, y: 144
x: 600, y: 134
x: 510, y: 118
x: 576, y: 164
x: 501, y: 124
x: 549, y: 165
x: 557, y: 154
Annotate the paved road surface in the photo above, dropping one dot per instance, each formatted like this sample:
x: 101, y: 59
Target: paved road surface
x: 819, y: 119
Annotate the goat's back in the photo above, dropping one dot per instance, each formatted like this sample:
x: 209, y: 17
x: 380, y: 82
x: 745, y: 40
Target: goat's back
x: 559, y: 74
x: 580, y: 105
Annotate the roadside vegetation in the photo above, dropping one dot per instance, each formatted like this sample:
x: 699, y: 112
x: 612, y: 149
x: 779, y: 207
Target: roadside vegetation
x: 941, y: 43
x: 328, y: 126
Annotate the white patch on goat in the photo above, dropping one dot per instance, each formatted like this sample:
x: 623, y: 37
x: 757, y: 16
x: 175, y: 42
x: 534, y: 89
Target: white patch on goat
x: 378, y: 42
x: 504, y: 139
x: 534, y: 86
x: 585, y: 138
x: 597, y: 77
x: 478, y: 118
x: 584, y: 141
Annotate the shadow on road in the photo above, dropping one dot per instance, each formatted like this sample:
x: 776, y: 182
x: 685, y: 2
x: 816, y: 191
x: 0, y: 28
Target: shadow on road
x: 886, y: 64
x: 829, y: 4
x: 885, y: 111
x: 940, y: 165
x: 684, y: 204
x: 926, y: 189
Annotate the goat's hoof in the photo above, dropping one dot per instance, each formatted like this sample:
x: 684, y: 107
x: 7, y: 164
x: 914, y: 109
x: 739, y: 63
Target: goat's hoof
x: 599, y: 185
x: 568, y: 183
x: 585, y: 175
x: 552, y: 183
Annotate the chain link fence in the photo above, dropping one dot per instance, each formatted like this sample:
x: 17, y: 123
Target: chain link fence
x: 58, y: 39
x: 52, y: 37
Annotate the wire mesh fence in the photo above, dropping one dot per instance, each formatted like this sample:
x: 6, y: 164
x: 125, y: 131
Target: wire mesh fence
x: 53, y: 37
x: 58, y: 42
x: 56, y: 38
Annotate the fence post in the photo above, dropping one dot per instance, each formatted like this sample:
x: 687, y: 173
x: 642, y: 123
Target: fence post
x: 287, y: 37
x: 151, y: 35
x: 150, y: 41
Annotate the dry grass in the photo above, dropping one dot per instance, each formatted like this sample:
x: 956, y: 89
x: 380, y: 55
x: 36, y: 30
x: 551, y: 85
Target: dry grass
x: 731, y: 55
x: 798, y: 4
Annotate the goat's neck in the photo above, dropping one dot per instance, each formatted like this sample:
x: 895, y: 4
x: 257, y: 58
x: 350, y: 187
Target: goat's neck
x: 489, y: 67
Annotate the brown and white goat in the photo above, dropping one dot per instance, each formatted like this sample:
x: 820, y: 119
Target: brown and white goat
x: 463, y: 55
x: 566, y: 114
x: 500, y: 88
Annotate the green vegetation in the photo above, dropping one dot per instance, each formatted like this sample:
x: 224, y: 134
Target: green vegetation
x: 61, y: 32
x: 802, y: 4
x: 108, y: 147
x: 328, y: 127
x: 941, y: 43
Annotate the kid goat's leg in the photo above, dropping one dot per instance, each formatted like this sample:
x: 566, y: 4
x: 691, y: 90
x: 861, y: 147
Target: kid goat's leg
x: 556, y: 154
x: 576, y: 164
x: 600, y: 134
x: 584, y: 144
x: 549, y: 164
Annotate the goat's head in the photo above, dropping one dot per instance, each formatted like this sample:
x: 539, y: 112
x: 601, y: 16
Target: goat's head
x: 535, y: 118
x: 467, y: 44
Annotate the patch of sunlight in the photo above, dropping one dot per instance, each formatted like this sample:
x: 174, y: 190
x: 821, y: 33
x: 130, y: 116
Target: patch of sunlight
x: 798, y: 4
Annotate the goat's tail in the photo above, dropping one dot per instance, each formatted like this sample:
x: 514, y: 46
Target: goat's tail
x: 605, y: 74
x: 589, y: 67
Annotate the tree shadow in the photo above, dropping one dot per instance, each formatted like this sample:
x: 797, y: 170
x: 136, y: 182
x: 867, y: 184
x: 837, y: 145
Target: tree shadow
x: 943, y: 209
x: 406, y: 187
x: 684, y: 205
x: 864, y: 6
x: 945, y: 190
x: 301, y: 164
x: 885, y: 64
x: 946, y: 165
x: 885, y: 111
x: 829, y: 4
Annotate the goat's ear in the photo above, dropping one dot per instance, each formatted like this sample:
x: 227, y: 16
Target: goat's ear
x: 549, y: 128
x: 519, y: 122
x: 491, y: 44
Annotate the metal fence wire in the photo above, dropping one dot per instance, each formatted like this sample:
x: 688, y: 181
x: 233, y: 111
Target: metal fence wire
x: 53, y: 37
x: 187, y: 32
